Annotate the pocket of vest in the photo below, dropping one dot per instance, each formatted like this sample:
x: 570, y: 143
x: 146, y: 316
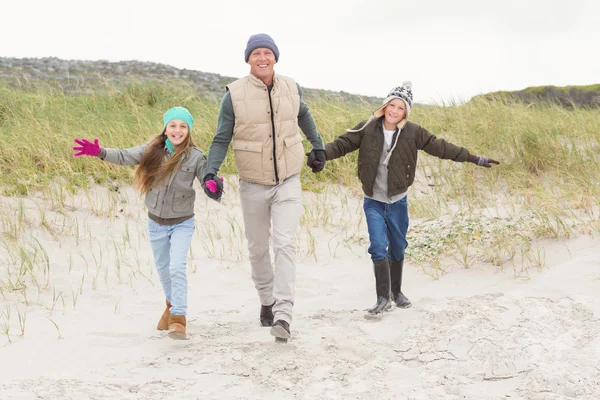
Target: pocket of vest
x: 247, y: 145
x: 294, y: 154
x: 290, y: 141
x: 248, y: 158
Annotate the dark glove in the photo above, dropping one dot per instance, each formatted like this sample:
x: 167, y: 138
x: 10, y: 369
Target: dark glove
x: 316, y: 160
x: 213, y: 186
x: 482, y: 161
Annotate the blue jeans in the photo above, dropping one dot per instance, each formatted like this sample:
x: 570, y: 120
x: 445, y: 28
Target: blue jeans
x: 170, y: 245
x: 387, y: 225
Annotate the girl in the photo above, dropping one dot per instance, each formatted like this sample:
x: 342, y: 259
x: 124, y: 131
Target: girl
x: 165, y: 176
x: 387, y: 159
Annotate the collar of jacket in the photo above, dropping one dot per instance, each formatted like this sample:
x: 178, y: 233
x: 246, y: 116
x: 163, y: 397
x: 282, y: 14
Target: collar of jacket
x: 259, y: 83
x: 169, y: 153
x: 379, y: 123
x: 400, y: 124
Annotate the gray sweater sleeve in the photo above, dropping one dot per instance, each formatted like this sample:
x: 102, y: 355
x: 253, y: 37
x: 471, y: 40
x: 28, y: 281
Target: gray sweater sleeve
x: 201, y: 165
x: 218, y: 148
x: 307, y: 124
x: 131, y: 156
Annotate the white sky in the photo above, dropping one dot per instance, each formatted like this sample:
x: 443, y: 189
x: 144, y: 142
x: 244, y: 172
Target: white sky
x: 450, y: 50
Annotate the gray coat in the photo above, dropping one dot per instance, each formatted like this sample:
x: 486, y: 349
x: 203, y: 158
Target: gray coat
x: 174, y: 198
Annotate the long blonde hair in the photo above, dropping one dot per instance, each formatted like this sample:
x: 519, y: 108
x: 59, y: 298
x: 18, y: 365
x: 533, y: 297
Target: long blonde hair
x: 153, y: 169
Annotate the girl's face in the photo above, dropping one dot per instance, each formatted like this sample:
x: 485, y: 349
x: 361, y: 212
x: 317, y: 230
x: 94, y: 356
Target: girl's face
x: 395, y: 112
x: 177, y: 131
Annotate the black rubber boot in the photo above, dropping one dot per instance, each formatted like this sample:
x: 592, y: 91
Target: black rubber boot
x: 266, y: 315
x: 382, y: 286
x: 399, y: 298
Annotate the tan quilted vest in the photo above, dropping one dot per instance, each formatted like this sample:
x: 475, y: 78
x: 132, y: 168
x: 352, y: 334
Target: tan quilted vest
x: 266, y: 150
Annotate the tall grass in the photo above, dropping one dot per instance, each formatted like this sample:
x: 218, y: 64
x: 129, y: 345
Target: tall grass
x: 548, y: 180
x: 545, y: 150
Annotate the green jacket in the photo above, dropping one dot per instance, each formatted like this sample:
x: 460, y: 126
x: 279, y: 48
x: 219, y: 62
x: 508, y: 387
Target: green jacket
x: 403, y: 161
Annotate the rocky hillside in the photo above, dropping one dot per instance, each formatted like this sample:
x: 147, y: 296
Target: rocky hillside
x: 566, y: 96
x: 75, y: 76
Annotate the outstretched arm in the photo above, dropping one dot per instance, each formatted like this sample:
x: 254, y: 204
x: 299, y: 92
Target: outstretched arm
x: 448, y: 151
x: 440, y: 148
x: 346, y: 143
x: 131, y: 156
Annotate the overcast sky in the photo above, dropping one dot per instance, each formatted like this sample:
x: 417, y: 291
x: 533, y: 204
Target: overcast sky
x: 448, y: 49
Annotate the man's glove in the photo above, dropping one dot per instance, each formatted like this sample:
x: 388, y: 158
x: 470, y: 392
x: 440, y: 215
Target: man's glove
x: 482, y: 161
x: 316, y: 160
x: 213, y: 186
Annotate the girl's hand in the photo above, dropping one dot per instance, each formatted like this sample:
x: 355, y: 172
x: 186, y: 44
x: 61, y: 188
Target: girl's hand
x: 86, y: 148
x: 213, y: 186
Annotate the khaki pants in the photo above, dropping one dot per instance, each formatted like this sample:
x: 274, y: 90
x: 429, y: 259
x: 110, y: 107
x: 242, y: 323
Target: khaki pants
x: 281, y: 206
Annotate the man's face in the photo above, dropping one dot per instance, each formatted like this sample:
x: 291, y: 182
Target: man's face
x: 261, y: 62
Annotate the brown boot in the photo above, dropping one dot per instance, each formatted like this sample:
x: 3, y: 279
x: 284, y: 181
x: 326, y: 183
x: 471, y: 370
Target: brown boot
x: 177, y: 327
x: 163, y: 323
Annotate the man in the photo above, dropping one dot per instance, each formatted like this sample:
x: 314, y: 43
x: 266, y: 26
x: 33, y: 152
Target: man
x: 260, y: 114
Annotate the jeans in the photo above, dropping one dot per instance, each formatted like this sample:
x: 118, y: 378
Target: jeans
x: 387, y: 225
x: 170, y: 245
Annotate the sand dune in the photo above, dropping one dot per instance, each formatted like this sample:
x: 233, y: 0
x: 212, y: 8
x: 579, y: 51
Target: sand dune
x: 477, y: 333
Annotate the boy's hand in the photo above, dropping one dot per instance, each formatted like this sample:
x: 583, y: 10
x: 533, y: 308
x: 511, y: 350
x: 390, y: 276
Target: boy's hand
x: 316, y: 160
x: 483, y: 161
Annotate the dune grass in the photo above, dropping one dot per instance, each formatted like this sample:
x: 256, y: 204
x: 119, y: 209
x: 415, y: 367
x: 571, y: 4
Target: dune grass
x: 547, y: 186
x: 546, y: 152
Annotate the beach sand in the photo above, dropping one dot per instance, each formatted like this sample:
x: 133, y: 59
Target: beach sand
x: 90, y: 332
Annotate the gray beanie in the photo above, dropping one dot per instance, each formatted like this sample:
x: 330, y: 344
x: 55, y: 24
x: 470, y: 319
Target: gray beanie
x: 261, y: 40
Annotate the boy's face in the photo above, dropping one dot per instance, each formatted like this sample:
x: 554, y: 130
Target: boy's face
x: 395, y: 111
x: 177, y: 131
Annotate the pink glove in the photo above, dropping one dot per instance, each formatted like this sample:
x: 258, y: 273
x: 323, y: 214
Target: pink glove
x: 212, y: 185
x: 86, y: 148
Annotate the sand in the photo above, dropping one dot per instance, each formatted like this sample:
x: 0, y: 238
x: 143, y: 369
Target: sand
x: 476, y: 333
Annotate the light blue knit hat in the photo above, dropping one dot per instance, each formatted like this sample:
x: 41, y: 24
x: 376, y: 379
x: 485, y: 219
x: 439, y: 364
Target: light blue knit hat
x: 179, y: 113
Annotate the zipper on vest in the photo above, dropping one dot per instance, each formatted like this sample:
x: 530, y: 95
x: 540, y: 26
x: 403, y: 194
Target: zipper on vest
x: 274, y: 141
